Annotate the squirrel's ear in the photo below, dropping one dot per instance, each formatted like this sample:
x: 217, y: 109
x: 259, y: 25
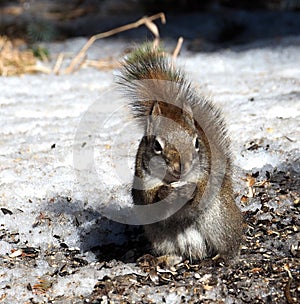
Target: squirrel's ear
x: 155, y: 111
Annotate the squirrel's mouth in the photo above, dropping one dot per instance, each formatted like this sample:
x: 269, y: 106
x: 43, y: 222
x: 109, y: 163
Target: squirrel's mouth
x: 172, y: 177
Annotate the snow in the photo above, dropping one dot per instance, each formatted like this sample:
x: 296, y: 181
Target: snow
x: 82, y: 114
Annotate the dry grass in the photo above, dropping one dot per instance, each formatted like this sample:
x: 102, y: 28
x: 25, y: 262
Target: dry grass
x: 14, y: 61
x: 147, y: 21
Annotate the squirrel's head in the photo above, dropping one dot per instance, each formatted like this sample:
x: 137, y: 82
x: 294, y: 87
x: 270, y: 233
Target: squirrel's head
x: 175, y: 150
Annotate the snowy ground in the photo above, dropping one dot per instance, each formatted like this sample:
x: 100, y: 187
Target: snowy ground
x: 50, y: 219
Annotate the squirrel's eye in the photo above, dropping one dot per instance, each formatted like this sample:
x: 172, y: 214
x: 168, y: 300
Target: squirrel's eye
x: 197, y: 145
x: 157, y: 147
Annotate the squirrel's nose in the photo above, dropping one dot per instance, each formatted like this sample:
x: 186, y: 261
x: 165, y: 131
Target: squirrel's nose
x: 185, y: 167
x: 181, y: 168
x: 177, y: 168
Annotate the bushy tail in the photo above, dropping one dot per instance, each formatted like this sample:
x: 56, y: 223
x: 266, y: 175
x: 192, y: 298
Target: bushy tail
x: 146, y: 77
x: 147, y: 62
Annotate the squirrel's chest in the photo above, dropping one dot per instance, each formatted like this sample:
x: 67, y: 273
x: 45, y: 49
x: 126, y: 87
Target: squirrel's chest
x: 190, y: 239
x: 182, y: 241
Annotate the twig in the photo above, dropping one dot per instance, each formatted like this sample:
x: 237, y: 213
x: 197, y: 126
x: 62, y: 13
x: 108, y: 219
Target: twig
x: 36, y: 68
x: 58, y: 63
x: 80, y: 55
x: 103, y: 64
x: 287, y: 289
x: 177, y: 48
x: 80, y: 65
x: 154, y: 29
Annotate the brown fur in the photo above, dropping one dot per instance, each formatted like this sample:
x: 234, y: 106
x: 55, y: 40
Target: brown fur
x: 210, y: 222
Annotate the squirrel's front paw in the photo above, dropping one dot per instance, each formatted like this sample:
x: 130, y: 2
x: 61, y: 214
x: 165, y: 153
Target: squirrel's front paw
x: 178, y: 184
x: 164, y: 191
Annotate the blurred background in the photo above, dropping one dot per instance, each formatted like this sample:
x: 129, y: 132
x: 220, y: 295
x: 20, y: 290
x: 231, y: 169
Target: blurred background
x: 206, y: 25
